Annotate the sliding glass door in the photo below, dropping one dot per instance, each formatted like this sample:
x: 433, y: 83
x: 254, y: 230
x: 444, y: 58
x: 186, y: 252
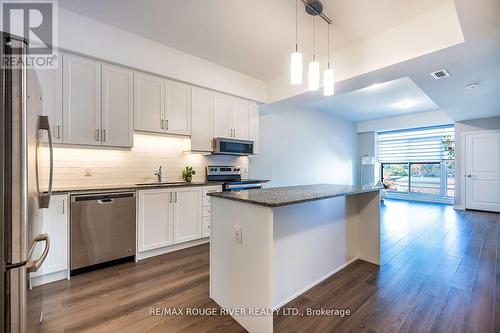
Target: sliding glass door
x: 419, y: 162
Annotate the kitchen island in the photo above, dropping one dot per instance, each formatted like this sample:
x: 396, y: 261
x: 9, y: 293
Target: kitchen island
x: 268, y: 246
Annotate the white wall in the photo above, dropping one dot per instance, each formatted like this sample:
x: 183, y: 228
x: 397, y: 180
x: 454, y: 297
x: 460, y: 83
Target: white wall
x: 462, y: 127
x: 368, y: 145
x: 304, y: 147
x: 86, y: 36
x: 414, y: 120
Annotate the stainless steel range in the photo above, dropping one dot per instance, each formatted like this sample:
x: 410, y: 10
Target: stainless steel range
x: 231, y: 177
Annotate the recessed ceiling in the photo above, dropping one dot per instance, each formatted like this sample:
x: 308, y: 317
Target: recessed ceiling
x: 253, y: 37
x: 381, y: 100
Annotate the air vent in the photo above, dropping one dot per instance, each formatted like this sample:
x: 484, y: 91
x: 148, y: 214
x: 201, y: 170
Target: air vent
x: 441, y: 74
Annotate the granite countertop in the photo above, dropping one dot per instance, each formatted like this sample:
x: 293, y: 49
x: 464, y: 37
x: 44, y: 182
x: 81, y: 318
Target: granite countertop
x: 290, y: 195
x: 125, y: 187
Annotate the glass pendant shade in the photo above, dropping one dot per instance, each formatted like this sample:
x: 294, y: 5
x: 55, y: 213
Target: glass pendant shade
x: 313, y: 76
x: 296, y: 68
x: 328, y: 82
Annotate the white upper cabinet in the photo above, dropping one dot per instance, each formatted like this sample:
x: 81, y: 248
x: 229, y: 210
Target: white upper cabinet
x: 117, y: 106
x: 81, y: 100
x: 187, y: 214
x: 202, y: 120
x: 178, y: 108
x: 253, y: 130
x: 155, y: 219
x: 223, y: 116
x: 149, y: 103
x: 51, y: 84
x: 231, y: 117
x: 240, y: 119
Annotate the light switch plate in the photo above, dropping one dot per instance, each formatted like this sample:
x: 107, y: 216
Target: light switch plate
x: 238, y: 237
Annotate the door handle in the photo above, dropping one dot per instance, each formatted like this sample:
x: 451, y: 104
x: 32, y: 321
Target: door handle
x: 44, y: 198
x: 469, y: 176
x: 105, y: 201
x: 33, y: 265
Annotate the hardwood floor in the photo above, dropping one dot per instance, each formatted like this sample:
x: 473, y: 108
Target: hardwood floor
x: 438, y: 274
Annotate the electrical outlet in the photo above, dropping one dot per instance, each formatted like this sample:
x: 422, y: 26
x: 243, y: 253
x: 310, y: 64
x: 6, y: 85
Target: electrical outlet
x: 238, y: 237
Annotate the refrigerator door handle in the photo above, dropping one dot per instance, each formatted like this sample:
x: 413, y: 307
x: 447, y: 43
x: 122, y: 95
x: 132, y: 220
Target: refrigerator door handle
x: 33, y: 265
x: 44, y: 198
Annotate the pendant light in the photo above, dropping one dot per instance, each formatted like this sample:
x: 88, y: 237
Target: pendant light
x: 328, y: 75
x: 313, y: 73
x: 296, y: 57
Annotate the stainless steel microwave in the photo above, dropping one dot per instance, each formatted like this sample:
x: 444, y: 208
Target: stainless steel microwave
x: 225, y: 146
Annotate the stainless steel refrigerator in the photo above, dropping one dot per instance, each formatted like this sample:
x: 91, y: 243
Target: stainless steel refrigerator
x: 24, y: 191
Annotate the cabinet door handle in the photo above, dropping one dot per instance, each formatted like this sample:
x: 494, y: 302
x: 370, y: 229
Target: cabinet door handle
x: 63, y: 204
x: 166, y: 124
x: 103, y: 134
x: 175, y: 196
x: 97, y: 135
x: 58, y: 131
x: 162, y: 124
x: 170, y: 197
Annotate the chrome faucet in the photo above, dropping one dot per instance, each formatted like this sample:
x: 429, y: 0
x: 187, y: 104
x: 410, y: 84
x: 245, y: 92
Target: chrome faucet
x: 159, y: 174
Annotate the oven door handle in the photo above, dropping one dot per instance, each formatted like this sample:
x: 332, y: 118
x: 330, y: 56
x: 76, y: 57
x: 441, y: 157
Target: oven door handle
x: 232, y: 187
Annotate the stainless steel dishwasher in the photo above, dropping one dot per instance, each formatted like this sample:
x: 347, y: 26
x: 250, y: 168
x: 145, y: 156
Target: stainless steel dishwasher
x: 102, y: 228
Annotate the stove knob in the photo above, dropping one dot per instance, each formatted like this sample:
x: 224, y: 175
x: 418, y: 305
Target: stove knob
x: 238, y: 169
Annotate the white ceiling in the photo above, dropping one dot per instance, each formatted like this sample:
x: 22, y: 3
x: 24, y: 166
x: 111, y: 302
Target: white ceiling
x: 475, y: 60
x: 378, y: 101
x: 253, y: 37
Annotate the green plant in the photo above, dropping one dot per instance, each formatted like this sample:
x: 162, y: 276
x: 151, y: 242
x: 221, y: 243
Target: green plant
x: 187, y: 174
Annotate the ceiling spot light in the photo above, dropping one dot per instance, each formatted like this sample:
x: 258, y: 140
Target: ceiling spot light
x: 472, y: 85
x: 405, y: 104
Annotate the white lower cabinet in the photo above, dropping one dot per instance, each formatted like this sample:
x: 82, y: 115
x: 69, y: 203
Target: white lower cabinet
x: 56, y: 225
x: 207, y: 209
x: 168, y: 217
x: 187, y: 214
x: 155, y: 219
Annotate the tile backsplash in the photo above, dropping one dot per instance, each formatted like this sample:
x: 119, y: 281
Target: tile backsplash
x: 105, y: 166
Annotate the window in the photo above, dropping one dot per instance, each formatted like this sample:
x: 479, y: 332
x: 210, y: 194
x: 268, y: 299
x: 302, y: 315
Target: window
x: 419, y: 162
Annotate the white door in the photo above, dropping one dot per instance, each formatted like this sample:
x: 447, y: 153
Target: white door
x: 117, y: 106
x: 149, y: 103
x: 223, y: 116
x: 187, y: 214
x: 240, y: 119
x: 482, y: 172
x: 178, y: 108
x: 202, y: 120
x: 81, y: 100
x: 155, y: 216
x: 51, y: 84
x: 55, y: 224
x: 253, y: 126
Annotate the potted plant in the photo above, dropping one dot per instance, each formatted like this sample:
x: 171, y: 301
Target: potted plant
x: 187, y: 174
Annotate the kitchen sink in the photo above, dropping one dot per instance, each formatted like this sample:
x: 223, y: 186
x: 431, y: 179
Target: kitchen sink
x: 174, y: 182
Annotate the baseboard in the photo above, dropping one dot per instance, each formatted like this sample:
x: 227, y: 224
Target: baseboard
x: 167, y: 249
x: 459, y: 207
x: 297, y: 294
x: 48, y: 278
